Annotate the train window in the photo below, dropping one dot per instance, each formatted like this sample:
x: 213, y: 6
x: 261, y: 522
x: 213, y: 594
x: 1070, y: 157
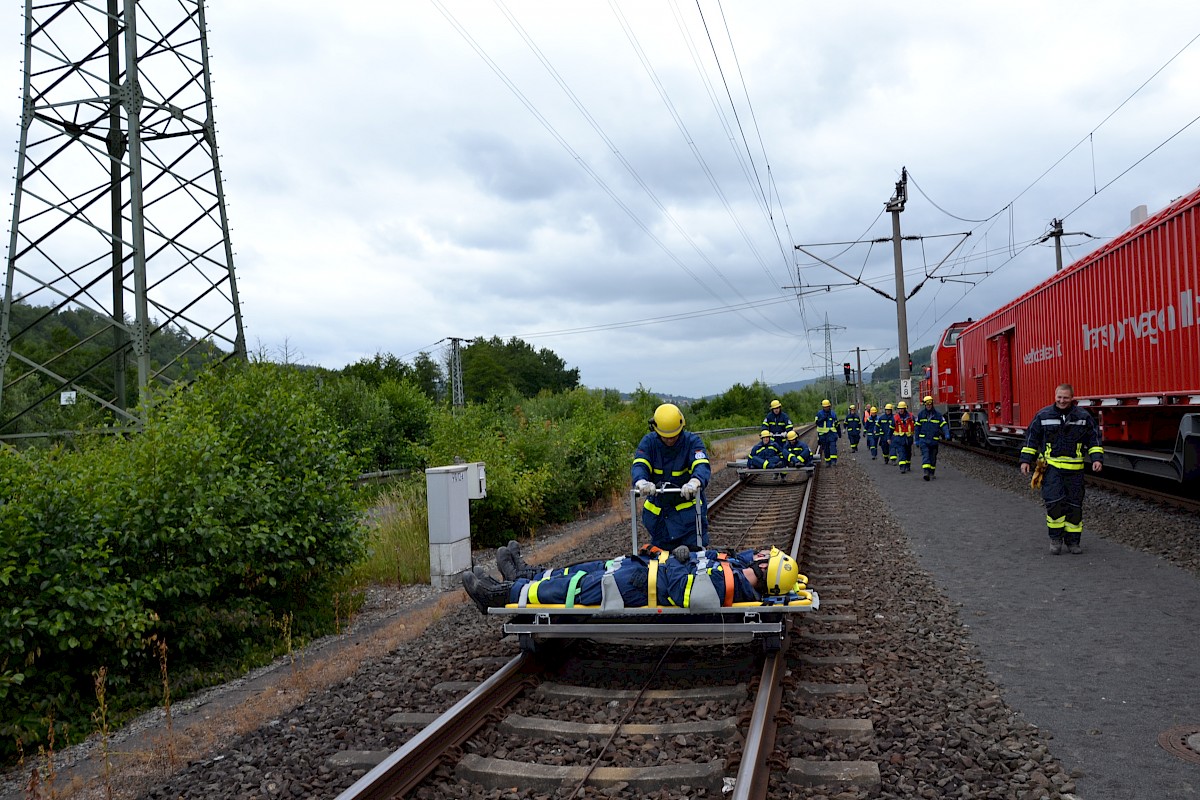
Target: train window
x: 951, y: 339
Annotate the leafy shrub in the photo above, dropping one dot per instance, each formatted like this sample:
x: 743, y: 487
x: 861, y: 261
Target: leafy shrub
x: 232, y: 508
x: 546, y: 458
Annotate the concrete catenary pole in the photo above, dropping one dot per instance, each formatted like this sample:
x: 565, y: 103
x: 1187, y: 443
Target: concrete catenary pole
x: 895, y: 206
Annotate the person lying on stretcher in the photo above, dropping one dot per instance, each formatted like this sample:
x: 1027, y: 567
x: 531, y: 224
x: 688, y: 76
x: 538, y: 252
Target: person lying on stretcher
x: 698, y: 580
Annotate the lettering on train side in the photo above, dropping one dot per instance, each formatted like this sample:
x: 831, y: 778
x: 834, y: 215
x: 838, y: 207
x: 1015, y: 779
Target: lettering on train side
x: 1146, y: 324
x: 1044, y: 353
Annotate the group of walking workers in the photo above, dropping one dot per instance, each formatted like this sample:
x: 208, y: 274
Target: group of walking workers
x: 894, y: 431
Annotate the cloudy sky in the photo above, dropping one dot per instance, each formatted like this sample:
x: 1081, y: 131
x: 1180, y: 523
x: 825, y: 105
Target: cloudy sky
x: 625, y: 182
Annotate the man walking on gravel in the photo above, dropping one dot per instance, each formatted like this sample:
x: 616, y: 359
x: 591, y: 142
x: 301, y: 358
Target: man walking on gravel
x: 1065, y: 437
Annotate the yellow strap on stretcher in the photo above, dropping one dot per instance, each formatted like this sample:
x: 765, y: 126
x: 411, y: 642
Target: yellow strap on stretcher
x: 687, y: 593
x: 652, y: 580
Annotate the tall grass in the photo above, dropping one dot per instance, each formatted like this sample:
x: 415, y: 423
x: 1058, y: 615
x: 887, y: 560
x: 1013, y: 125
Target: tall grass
x: 398, y: 544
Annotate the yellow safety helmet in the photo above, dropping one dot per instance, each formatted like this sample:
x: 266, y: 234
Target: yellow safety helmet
x: 874, y: 410
x: 852, y: 406
x: 888, y: 407
x: 926, y: 399
x: 765, y: 435
x: 782, y: 573
x: 792, y: 436
x: 902, y: 404
x: 824, y: 404
x: 668, y: 420
x: 776, y: 404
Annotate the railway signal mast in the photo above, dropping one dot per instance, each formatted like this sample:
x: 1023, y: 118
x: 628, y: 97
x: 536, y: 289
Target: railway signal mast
x: 119, y: 216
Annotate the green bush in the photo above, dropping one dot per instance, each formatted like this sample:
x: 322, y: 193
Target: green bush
x: 67, y: 611
x: 234, y: 507
x: 547, y: 458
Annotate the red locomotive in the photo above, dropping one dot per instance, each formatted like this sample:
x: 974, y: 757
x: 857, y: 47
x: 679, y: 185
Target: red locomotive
x: 1121, y: 324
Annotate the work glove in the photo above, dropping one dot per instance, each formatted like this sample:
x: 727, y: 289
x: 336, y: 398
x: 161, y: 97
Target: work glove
x: 682, y: 554
x: 690, y: 489
x: 1039, y: 474
x: 644, y: 488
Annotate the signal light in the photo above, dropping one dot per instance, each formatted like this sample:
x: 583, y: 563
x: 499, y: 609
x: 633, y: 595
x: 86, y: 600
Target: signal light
x: 846, y: 369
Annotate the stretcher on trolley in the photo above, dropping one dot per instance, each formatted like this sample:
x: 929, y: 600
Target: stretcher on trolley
x: 710, y: 618
x: 771, y: 474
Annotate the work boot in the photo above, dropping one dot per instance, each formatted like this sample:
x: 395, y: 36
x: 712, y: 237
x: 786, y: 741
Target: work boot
x: 1055, y: 546
x: 521, y: 569
x: 506, y: 562
x: 1074, y: 549
x: 485, y: 591
x: 927, y: 475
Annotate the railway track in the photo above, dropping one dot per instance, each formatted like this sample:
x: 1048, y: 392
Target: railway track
x: 628, y: 717
x: 1159, y: 497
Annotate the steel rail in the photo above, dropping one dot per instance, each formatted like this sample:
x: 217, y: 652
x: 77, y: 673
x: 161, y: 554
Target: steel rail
x: 754, y: 774
x: 404, y: 769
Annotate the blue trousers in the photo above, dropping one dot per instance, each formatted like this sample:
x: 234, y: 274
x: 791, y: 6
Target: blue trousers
x: 929, y: 451
x: 829, y: 446
x: 1062, y: 492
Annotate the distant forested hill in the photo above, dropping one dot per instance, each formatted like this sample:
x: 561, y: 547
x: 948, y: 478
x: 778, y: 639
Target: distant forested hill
x: 890, y: 370
x: 77, y: 345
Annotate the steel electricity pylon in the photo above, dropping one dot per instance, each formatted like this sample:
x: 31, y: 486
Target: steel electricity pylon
x: 120, y: 271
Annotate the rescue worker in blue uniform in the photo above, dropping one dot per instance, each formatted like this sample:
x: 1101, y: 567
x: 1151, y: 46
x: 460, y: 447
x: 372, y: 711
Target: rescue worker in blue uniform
x: 671, y: 456
x: 766, y: 454
x: 853, y: 428
x: 902, y: 437
x: 777, y: 421
x: 1066, y: 438
x: 828, y: 431
x: 798, y: 455
x: 886, y: 421
x: 931, y: 428
x: 871, y: 431
x: 682, y: 578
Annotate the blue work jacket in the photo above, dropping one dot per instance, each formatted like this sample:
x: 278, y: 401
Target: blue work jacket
x: 669, y: 518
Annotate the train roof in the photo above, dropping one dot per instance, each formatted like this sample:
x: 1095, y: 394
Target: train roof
x: 1176, y: 207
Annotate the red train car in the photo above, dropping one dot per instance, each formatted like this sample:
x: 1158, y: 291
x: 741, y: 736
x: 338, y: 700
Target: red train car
x: 1123, y: 326
x: 941, y: 376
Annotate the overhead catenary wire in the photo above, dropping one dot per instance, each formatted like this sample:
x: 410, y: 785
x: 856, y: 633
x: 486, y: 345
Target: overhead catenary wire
x: 587, y: 168
x: 665, y: 97
x: 658, y: 320
x: 1016, y: 249
x: 615, y: 149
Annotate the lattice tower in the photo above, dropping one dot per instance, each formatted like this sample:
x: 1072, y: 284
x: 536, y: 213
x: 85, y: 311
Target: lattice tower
x: 118, y: 216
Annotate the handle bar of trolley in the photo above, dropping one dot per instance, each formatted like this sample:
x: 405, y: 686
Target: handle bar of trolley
x: 665, y: 488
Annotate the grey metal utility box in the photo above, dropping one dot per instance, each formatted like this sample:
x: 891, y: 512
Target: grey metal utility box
x: 476, y: 480
x: 448, y: 490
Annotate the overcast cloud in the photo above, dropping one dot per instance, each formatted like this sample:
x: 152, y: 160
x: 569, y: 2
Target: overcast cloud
x: 388, y: 189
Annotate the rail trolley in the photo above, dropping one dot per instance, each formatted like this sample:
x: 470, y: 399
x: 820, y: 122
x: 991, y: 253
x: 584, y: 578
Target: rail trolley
x: 763, y: 621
